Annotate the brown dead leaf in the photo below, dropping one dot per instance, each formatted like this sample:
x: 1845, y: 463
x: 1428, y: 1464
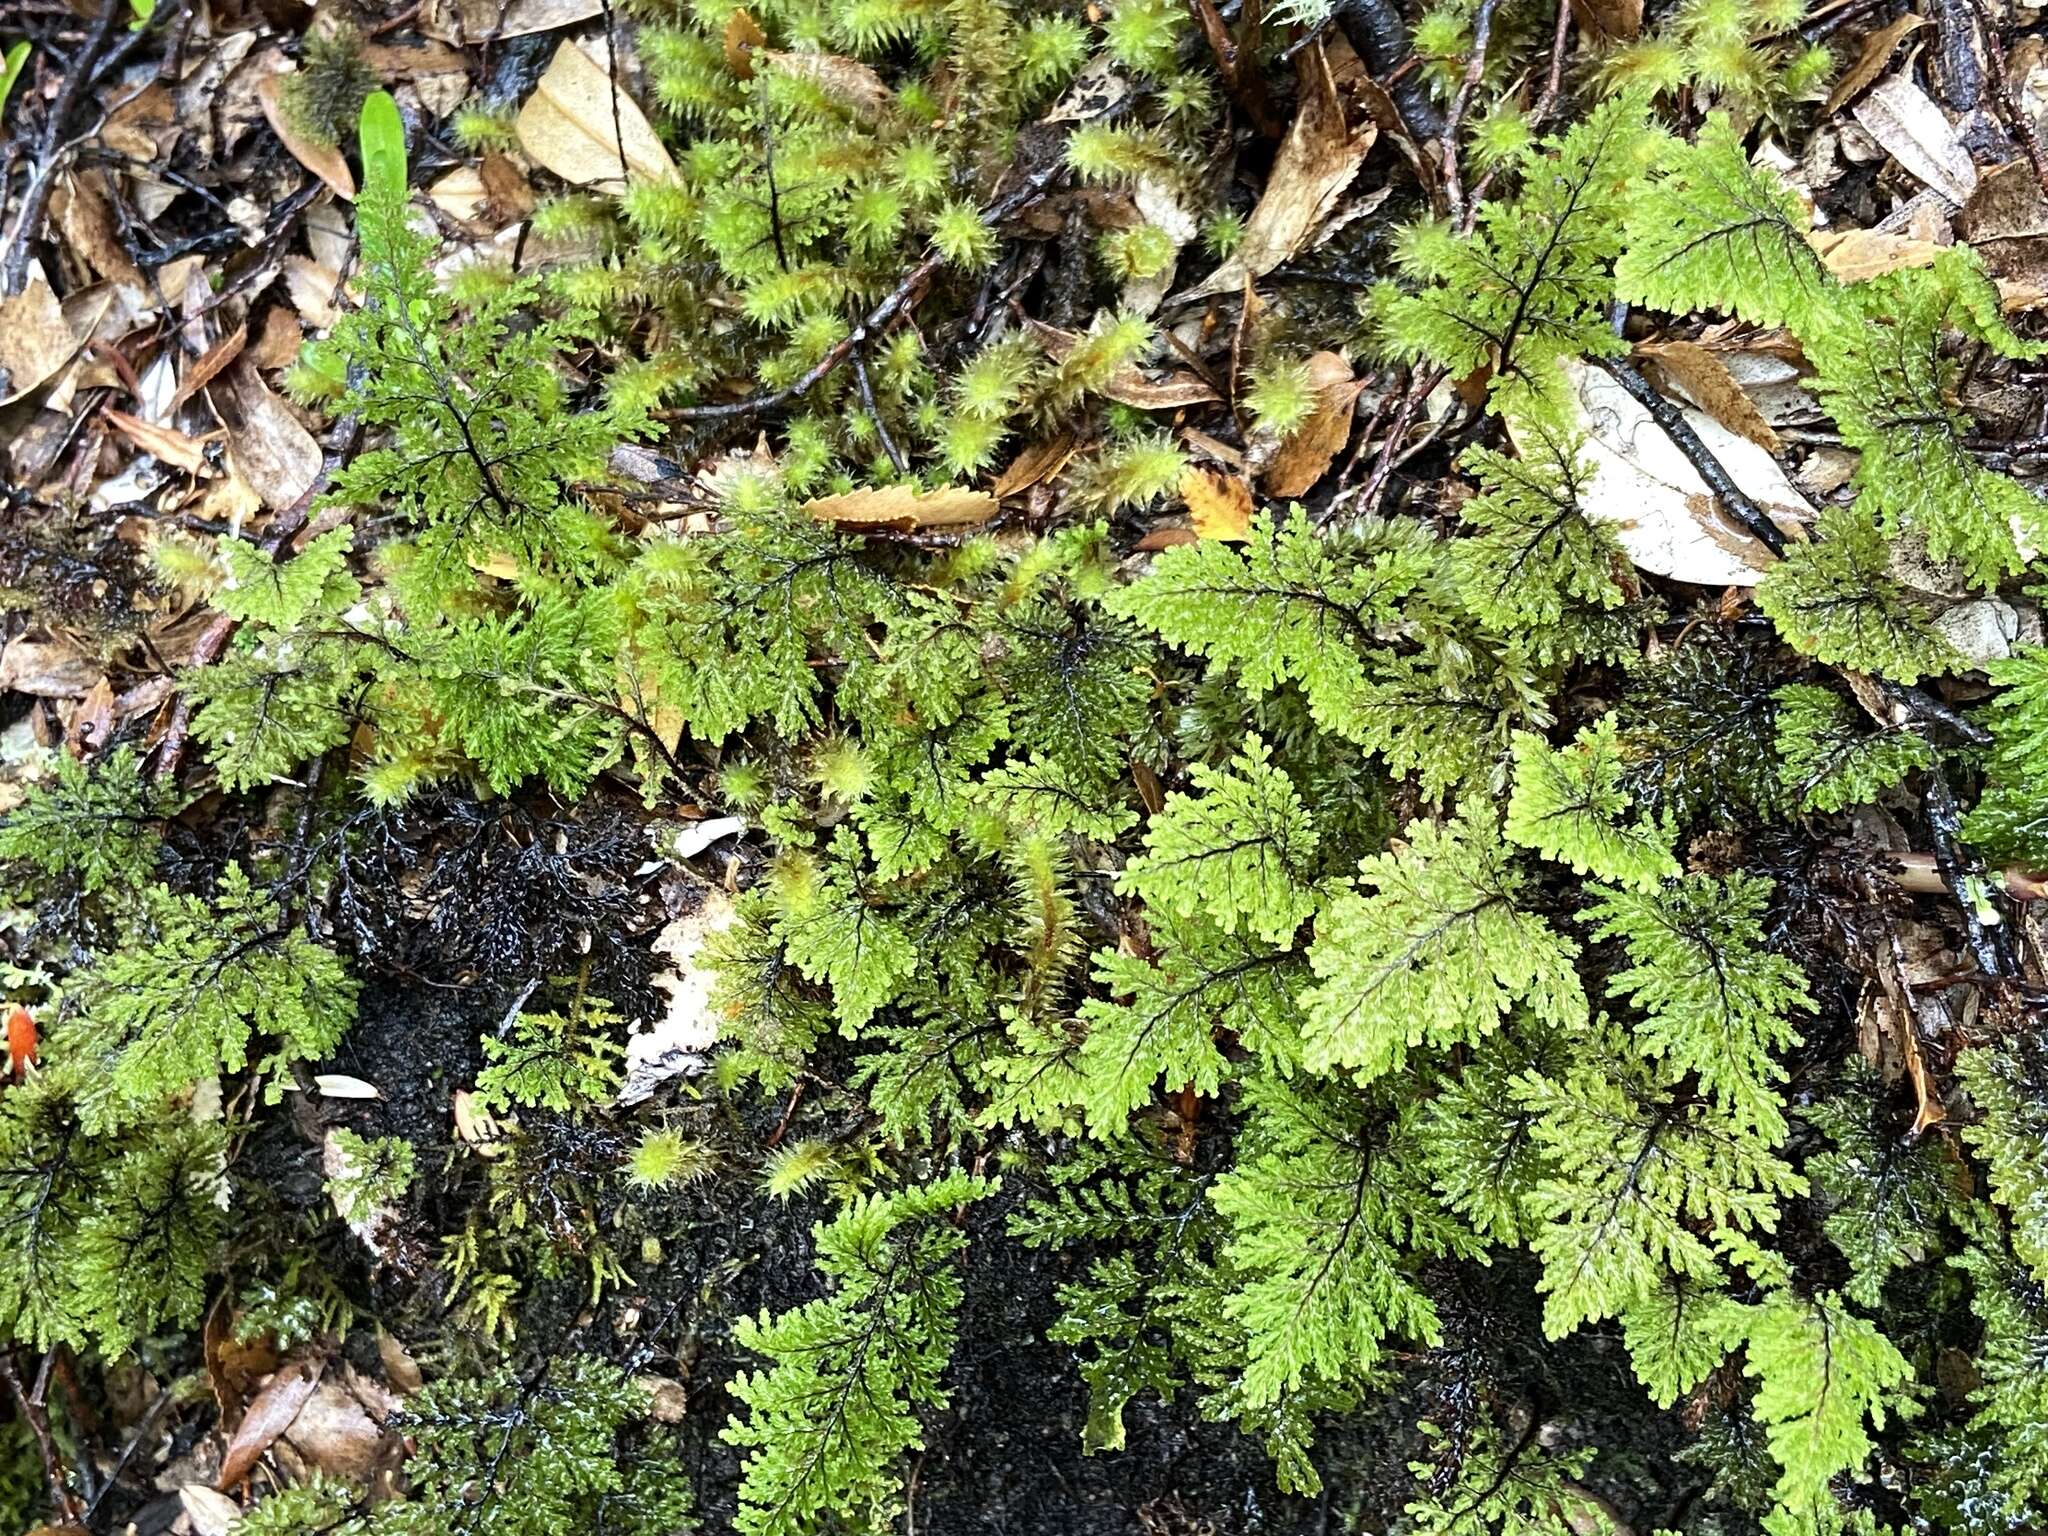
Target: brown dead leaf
x: 1618, y: 21
x: 1855, y: 254
x: 1036, y: 464
x: 211, y: 362
x: 35, y: 340
x: 845, y: 80
x: 45, y: 669
x: 1306, y: 454
x: 335, y: 1432
x: 92, y: 722
x: 323, y: 160
x: 167, y: 445
x: 1877, y: 52
x: 1167, y: 538
x: 400, y: 1369
x: 233, y: 1367
x: 1219, y: 506
x: 1321, y: 153
x: 270, y: 1414
x: 1704, y: 379
x: 266, y: 444
x: 742, y: 36
x: 1917, y: 133
x: 568, y: 122
x: 510, y: 193
x: 904, y: 508
x: 278, y: 338
x: 2006, y: 221
x: 86, y: 220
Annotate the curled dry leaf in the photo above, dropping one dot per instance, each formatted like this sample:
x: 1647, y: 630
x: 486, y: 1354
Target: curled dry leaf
x: 1306, y: 454
x: 1036, y: 464
x: 210, y: 364
x: 1219, y: 505
x: 270, y: 1413
x: 1877, y: 52
x: 1917, y: 133
x: 1704, y: 380
x: 324, y: 160
x: 904, y: 508
x: 335, y: 1432
x: 1321, y: 153
x: 1668, y: 521
x: 568, y: 123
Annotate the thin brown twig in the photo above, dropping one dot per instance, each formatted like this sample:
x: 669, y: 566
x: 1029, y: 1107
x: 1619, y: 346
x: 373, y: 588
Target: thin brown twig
x: 36, y: 1416
x: 1553, y: 92
x: 1447, y: 141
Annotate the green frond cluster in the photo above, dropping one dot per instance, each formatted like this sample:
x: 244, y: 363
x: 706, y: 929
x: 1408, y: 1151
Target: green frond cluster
x: 826, y: 1426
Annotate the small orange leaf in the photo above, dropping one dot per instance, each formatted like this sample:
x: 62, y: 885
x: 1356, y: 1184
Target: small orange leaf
x: 1220, y: 506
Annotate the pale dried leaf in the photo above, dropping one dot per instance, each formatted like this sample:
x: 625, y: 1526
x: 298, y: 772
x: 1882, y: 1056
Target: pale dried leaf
x: 211, y: 1513
x: 1856, y: 254
x: 1667, y: 520
x: 1917, y: 133
x: 1877, y: 52
x: 313, y: 288
x: 1704, y: 380
x: 42, y: 670
x: 1321, y: 153
x: 1219, y: 506
x: 567, y: 125
x: 678, y: 1042
x: 324, y: 160
x: 904, y: 507
x: 339, y: 1085
x: 696, y: 836
x: 1306, y: 454
x: 1129, y: 386
x: 270, y: 1413
x: 86, y: 219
